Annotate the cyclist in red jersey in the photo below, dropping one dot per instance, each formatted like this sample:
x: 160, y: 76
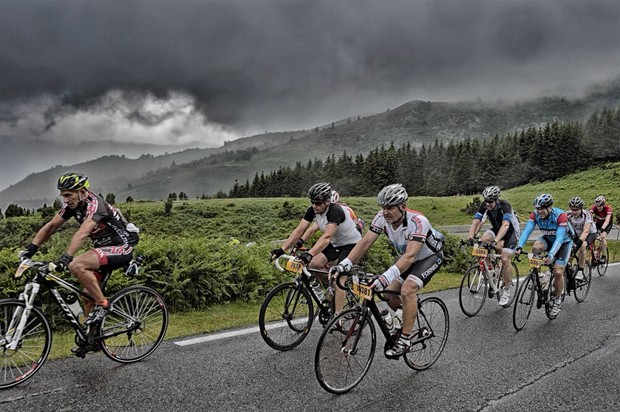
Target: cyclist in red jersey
x: 603, y: 219
x: 112, y: 237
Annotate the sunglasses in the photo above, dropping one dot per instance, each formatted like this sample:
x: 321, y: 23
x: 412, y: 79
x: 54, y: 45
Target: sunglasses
x: 317, y: 203
x: 489, y: 201
x: 575, y: 210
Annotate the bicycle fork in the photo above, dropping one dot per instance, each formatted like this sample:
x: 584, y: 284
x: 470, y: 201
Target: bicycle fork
x: 359, y: 322
x: 20, y: 317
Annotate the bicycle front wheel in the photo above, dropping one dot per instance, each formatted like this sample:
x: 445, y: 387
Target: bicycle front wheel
x: 286, y: 316
x: 431, y: 334
x: 135, y: 326
x: 524, y: 302
x: 21, y: 363
x: 601, y: 266
x: 582, y: 287
x: 473, y: 291
x: 345, y: 351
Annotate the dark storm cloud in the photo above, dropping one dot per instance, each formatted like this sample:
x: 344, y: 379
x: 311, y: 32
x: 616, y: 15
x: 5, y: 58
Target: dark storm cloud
x: 269, y: 64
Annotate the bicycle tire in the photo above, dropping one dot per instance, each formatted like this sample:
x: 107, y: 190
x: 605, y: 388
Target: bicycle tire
x: 21, y: 364
x: 141, y: 316
x: 601, y: 268
x: 514, y: 284
x: 280, y: 327
x: 473, y: 291
x: 524, y: 302
x: 337, y: 369
x: 432, y: 316
x: 583, y: 287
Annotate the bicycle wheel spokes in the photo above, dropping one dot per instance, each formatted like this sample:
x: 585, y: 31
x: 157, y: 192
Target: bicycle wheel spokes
x: 431, y: 329
x: 603, y: 262
x: 473, y: 291
x: 524, y: 302
x: 286, y: 316
x: 136, y: 325
x: 345, y: 351
x: 17, y: 365
x: 582, y: 287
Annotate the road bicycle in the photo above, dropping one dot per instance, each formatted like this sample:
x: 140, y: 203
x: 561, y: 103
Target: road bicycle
x: 579, y: 287
x: 131, y: 331
x: 534, y: 287
x: 347, y: 345
x: 287, y: 314
x: 596, y: 257
x: 483, y: 279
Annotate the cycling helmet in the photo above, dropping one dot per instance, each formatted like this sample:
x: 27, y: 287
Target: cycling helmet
x: 544, y: 200
x: 600, y: 200
x: 320, y: 192
x: 72, y: 181
x: 392, y: 195
x: 576, y: 203
x: 335, y: 197
x: 491, y: 193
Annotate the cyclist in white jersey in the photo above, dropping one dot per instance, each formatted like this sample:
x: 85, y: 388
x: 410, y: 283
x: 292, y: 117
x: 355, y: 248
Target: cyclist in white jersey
x: 585, y: 231
x: 340, y: 234
x: 420, y: 255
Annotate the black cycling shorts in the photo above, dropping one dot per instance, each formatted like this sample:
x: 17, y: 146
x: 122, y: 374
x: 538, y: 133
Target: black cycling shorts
x: 341, y: 252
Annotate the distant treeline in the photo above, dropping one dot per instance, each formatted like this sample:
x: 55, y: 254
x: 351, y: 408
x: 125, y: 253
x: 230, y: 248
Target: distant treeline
x: 464, y: 167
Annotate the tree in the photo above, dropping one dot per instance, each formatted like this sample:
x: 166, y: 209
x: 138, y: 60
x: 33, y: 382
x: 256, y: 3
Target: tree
x: 129, y: 199
x: 14, y: 210
x: 168, y: 207
x: 110, y: 198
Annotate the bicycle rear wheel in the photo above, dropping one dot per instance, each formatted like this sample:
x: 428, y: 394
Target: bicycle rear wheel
x: 514, y: 284
x: 473, y: 291
x: 601, y: 266
x: 135, y: 326
x: 20, y: 364
x: 524, y: 302
x: 286, y: 316
x: 582, y: 287
x: 431, y: 330
x: 345, y: 351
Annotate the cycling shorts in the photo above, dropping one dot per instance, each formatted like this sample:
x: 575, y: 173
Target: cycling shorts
x: 341, y: 252
x: 561, y: 258
x: 509, y: 244
x: 606, y: 230
x: 591, y: 238
x: 423, y: 270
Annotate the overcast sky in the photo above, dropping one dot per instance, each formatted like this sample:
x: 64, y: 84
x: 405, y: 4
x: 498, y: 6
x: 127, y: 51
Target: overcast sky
x: 178, y: 71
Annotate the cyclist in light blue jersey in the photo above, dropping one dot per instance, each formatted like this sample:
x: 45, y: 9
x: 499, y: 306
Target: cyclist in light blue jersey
x: 556, y: 240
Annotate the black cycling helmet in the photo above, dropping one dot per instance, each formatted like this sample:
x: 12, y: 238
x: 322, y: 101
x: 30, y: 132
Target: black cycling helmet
x: 392, y: 195
x: 320, y: 192
x: 72, y: 181
x: 491, y: 193
x: 544, y: 200
x: 576, y: 203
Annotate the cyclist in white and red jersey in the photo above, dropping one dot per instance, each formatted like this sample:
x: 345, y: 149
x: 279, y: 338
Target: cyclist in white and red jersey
x: 420, y: 255
x: 340, y: 234
x: 100, y: 222
x: 603, y: 218
x: 585, y: 231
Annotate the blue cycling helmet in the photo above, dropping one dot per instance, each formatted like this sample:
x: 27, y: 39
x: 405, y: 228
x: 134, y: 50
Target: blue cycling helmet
x: 544, y: 200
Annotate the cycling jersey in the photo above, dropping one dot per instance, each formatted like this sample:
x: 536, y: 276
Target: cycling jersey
x: 555, y: 228
x: 346, y: 233
x: 579, y: 222
x: 599, y: 217
x: 111, y: 229
x: 502, y: 211
x: 415, y: 227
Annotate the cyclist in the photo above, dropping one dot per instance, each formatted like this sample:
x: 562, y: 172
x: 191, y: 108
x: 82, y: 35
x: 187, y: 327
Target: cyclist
x: 113, y: 240
x: 556, y: 239
x: 603, y: 218
x: 340, y: 234
x: 420, y: 254
x: 502, y: 235
x: 585, y: 231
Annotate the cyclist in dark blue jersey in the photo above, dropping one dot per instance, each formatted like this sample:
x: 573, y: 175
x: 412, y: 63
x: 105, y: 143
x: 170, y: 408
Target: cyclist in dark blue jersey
x: 556, y: 239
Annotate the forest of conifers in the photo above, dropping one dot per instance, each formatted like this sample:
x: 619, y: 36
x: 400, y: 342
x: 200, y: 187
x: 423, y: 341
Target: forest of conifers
x: 464, y: 167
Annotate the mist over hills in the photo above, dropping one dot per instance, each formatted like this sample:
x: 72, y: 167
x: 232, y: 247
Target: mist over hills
x: 206, y: 171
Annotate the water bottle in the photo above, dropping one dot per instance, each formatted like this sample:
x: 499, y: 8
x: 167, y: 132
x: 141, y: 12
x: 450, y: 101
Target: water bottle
x: 134, y: 267
x: 318, y: 290
x: 387, y: 318
x: 75, y: 307
x: 398, y: 319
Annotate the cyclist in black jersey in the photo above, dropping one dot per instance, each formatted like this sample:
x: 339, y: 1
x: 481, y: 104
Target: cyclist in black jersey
x: 503, y: 234
x: 112, y: 237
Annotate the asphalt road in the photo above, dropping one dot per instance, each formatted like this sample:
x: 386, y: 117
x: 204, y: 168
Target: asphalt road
x: 568, y: 364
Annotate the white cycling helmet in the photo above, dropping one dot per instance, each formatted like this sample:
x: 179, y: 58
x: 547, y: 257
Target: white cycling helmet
x: 600, y: 200
x: 320, y: 192
x: 576, y: 203
x: 392, y: 195
x: 491, y: 193
x: 335, y: 197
